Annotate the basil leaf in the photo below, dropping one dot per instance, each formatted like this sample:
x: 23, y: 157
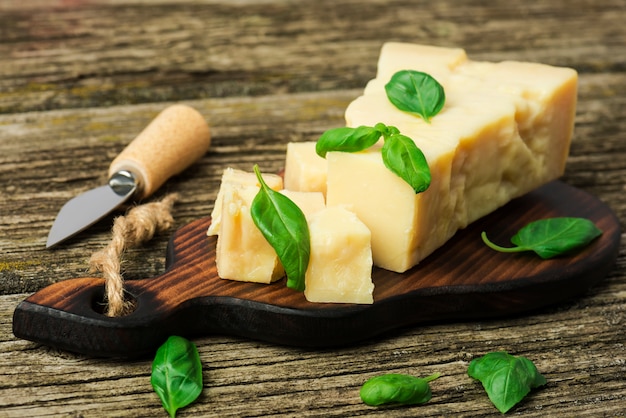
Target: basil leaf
x: 403, y: 157
x: 176, y: 374
x: 507, y: 379
x: 555, y: 236
x: 347, y: 139
x: 416, y: 92
x: 396, y: 388
x: 284, y: 226
x: 551, y: 237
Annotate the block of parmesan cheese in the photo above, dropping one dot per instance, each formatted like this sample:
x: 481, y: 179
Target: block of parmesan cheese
x: 340, y: 266
x: 505, y: 129
x: 234, y: 177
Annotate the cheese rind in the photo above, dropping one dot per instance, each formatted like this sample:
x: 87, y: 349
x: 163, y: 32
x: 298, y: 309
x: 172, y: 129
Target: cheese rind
x: 505, y: 129
x: 340, y: 265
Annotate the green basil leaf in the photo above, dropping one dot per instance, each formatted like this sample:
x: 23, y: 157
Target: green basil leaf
x: 399, y: 152
x: 555, y: 236
x: 551, y: 237
x: 284, y: 226
x: 507, y: 379
x: 417, y: 93
x: 347, y: 139
x: 177, y: 374
x: 396, y: 388
x: 404, y: 158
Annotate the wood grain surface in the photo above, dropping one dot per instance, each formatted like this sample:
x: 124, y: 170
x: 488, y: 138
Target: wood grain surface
x: 79, y: 79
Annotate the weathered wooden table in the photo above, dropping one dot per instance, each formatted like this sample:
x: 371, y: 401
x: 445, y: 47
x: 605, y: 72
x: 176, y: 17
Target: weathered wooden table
x: 79, y: 79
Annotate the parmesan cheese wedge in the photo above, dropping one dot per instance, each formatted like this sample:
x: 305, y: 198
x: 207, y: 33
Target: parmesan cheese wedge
x: 505, y: 129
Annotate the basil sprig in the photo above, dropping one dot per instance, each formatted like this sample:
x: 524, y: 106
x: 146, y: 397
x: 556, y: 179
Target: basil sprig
x: 176, y: 374
x: 551, y: 237
x: 399, y: 389
x: 416, y: 92
x: 347, y: 139
x: 507, y: 379
x: 284, y: 226
x: 400, y: 154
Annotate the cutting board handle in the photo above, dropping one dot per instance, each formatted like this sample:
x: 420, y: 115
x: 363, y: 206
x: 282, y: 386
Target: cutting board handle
x: 174, y: 140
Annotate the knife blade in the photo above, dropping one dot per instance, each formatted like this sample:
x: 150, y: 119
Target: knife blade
x: 172, y: 141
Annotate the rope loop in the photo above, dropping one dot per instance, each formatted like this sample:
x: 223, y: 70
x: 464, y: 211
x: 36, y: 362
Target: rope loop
x: 139, y: 225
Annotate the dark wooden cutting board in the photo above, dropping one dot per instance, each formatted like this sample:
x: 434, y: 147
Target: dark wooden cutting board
x: 463, y: 280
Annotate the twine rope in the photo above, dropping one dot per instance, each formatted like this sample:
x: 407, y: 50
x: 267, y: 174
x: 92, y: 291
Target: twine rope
x: 137, y: 226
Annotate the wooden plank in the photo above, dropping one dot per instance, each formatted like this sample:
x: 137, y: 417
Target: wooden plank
x: 251, y: 378
x: 80, y: 78
x: 107, y: 53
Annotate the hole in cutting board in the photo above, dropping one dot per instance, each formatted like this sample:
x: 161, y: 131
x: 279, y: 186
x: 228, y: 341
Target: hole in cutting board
x: 99, y: 304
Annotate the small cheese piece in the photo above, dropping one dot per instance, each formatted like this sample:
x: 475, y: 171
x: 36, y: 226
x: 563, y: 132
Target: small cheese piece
x: 234, y: 177
x: 242, y: 251
x: 340, y: 266
x: 308, y: 202
x: 304, y: 170
x: 505, y: 129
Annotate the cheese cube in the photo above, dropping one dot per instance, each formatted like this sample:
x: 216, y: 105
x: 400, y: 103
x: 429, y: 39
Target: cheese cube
x: 340, y: 266
x: 304, y: 169
x: 234, y: 177
x: 242, y: 251
x: 505, y: 129
x: 308, y: 202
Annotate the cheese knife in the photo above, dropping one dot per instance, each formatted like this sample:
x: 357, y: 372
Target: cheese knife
x: 175, y: 139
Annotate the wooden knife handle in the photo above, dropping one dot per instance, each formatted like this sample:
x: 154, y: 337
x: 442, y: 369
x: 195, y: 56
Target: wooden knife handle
x: 175, y: 139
